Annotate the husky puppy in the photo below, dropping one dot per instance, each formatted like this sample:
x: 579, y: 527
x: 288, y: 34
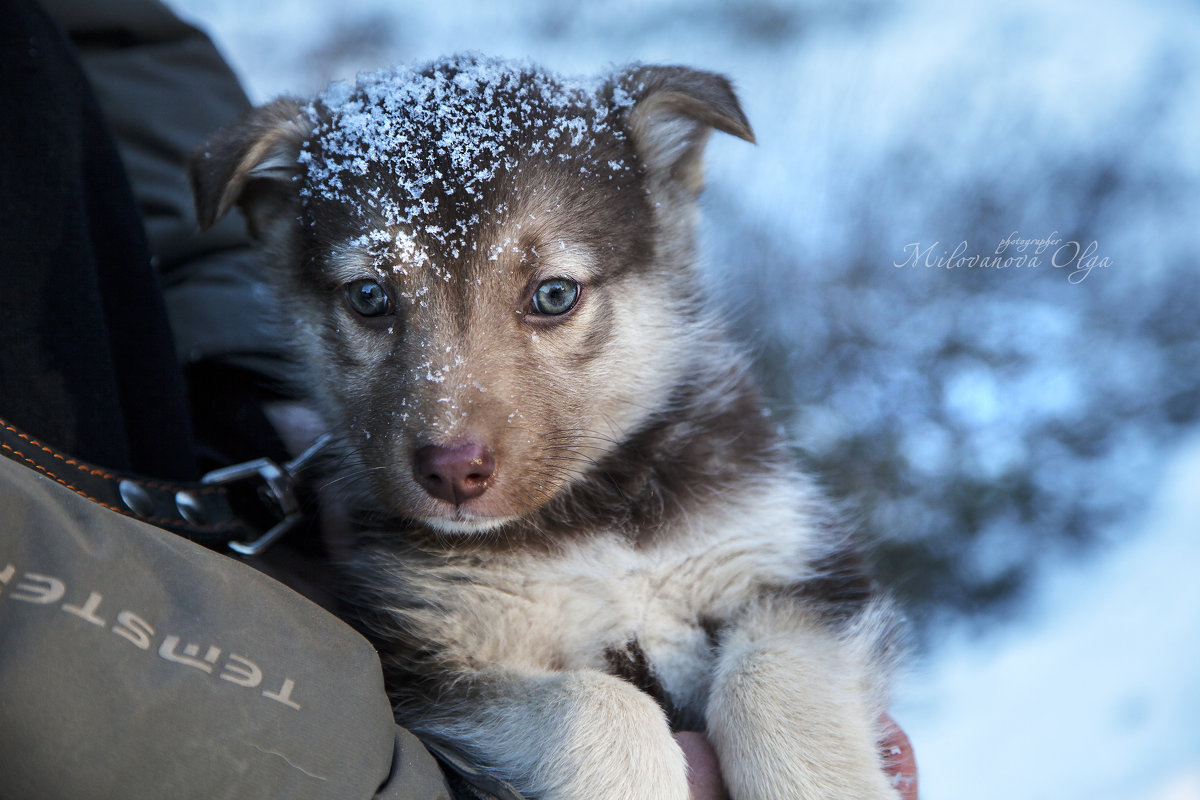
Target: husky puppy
x: 581, y: 530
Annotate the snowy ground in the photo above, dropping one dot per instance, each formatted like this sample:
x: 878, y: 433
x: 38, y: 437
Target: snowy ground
x: 1061, y: 402
x: 1096, y: 695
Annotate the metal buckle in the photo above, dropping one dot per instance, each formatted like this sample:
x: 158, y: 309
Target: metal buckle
x: 280, y: 485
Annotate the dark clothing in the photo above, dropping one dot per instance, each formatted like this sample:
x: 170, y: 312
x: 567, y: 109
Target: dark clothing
x: 86, y: 359
x: 164, y: 89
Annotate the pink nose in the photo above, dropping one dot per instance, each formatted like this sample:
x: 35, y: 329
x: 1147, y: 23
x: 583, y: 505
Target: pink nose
x: 454, y: 473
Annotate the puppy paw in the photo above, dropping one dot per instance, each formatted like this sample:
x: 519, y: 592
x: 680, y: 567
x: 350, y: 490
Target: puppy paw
x: 807, y: 781
x: 614, y: 743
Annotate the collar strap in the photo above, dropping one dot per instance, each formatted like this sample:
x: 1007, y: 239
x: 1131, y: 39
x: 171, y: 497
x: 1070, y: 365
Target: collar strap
x: 245, y: 507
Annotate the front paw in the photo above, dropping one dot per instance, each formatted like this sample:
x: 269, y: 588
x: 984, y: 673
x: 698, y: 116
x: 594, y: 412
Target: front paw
x: 792, y: 713
x: 766, y: 771
x: 612, y: 742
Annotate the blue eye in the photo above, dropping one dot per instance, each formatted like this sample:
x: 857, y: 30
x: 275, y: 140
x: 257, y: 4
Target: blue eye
x: 555, y: 296
x: 367, y: 298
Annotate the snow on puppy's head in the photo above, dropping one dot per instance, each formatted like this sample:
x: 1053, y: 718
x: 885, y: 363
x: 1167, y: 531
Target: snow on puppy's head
x: 423, y: 150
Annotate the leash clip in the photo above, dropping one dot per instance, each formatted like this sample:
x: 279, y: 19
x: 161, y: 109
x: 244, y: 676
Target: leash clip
x: 277, y: 490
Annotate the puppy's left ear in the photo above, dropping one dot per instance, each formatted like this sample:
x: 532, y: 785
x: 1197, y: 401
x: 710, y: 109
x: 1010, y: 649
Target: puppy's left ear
x: 674, y: 110
x: 253, y: 163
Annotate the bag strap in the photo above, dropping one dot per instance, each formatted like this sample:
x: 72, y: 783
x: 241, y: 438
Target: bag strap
x: 244, y: 507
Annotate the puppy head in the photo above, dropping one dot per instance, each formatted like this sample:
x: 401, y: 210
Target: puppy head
x: 488, y: 268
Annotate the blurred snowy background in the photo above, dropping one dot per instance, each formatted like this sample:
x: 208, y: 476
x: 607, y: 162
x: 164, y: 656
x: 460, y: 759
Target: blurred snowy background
x: 1020, y: 444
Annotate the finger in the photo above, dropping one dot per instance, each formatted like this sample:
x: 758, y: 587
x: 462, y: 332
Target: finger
x: 704, y: 772
x: 899, y: 760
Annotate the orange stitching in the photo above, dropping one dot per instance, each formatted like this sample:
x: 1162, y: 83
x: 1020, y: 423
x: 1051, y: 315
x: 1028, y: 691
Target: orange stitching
x: 94, y: 470
x: 59, y: 480
x: 51, y: 451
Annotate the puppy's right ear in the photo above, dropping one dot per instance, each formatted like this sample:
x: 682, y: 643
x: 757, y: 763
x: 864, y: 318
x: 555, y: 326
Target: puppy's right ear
x: 254, y: 163
x: 675, y: 109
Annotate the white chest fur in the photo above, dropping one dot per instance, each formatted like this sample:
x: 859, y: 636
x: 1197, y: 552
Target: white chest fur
x: 532, y: 611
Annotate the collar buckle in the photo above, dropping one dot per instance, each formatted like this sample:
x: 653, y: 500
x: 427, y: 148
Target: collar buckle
x: 276, y: 492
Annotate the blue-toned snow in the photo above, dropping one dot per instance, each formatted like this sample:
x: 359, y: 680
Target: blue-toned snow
x: 1095, y: 697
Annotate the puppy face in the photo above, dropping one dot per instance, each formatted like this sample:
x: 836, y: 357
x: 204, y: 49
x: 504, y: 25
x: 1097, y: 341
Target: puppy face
x: 488, y: 268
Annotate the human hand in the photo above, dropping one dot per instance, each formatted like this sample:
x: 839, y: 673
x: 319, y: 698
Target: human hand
x: 704, y: 773
x: 899, y: 760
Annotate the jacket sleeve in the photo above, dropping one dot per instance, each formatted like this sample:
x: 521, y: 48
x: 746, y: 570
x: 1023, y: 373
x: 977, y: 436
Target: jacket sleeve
x: 136, y: 664
x: 164, y: 88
